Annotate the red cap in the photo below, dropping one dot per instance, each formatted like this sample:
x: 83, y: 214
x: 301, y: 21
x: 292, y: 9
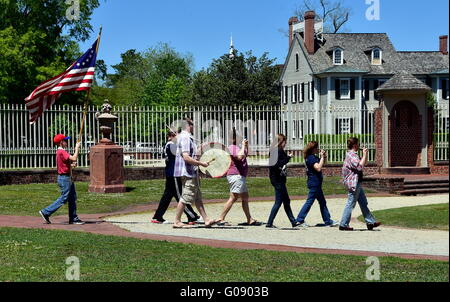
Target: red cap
x: 60, y: 137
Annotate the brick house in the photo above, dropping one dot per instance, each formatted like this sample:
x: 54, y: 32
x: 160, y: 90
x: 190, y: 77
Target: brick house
x: 363, y: 71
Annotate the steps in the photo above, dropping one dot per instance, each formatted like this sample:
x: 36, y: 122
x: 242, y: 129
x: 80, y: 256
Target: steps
x: 405, y: 171
x: 425, y: 186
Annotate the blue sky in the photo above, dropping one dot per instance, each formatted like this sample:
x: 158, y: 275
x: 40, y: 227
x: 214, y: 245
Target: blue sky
x: 204, y: 27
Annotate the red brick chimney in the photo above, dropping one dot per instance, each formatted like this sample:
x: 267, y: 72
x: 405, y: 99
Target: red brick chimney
x: 310, y: 17
x: 443, y: 40
x: 292, y: 21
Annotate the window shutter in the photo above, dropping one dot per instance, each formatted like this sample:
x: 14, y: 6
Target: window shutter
x: 352, y: 89
x: 352, y: 126
x: 337, y: 128
x: 312, y: 90
x: 303, y: 92
x: 337, y: 88
x: 366, y: 90
x: 444, y: 89
x: 376, y: 84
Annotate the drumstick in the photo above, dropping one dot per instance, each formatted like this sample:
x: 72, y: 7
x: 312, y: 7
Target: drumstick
x: 211, y: 161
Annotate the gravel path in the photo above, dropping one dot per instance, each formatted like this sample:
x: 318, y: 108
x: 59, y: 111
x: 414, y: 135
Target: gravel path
x: 385, y: 239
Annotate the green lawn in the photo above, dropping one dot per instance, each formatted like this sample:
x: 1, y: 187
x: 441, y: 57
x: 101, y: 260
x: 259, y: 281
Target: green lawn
x: 40, y: 255
x: 29, y: 199
x: 433, y: 217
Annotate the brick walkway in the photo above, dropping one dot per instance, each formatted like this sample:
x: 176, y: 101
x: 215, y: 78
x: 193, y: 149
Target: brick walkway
x: 96, y: 225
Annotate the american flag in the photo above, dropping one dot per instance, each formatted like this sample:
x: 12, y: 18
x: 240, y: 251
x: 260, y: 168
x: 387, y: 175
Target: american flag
x: 79, y: 76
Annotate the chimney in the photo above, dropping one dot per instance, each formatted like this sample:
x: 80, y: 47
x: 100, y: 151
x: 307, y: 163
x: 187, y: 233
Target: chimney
x: 292, y: 21
x: 443, y: 40
x: 310, y: 17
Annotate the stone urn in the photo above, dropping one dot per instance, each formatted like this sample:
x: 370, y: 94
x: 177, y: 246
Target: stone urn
x: 106, y: 170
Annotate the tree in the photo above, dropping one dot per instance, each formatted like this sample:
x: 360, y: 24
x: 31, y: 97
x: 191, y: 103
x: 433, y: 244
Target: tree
x: 333, y: 13
x: 157, y: 76
x: 34, y: 47
x: 239, y: 80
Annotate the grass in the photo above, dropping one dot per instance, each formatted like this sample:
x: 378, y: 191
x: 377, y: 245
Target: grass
x: 433, y: 217
x: 40, y: 255
x: 28, y: 199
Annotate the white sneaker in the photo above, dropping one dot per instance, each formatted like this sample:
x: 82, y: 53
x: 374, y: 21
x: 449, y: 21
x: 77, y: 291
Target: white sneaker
x: 303, y: 225
x: 333, y: 224
x: 200, y: 221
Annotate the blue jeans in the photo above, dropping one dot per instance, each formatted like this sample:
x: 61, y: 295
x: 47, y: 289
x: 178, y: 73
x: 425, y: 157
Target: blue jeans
x: 315, y: 193
x: 281, y: 197
x: 360, y: 197
x: 68, y: 194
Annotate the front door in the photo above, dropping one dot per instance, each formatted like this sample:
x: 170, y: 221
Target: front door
x: 405, y: 135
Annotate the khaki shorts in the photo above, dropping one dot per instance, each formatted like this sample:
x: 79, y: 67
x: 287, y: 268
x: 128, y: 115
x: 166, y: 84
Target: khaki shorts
x: 191, y: 190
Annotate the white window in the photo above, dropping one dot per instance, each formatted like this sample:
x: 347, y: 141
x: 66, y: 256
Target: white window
x: 311, y: 129
x: 338, y: 56
x: 377, y: 56
x: 300, y: 129
x: 345, y: 89
x: 311, y: 91
x: 344, y: 126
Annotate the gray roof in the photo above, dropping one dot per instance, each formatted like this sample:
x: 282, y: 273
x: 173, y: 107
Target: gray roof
x: 403, y: 81
x: 357, y: 55
x: 422, y: 62
x: 342, y: 69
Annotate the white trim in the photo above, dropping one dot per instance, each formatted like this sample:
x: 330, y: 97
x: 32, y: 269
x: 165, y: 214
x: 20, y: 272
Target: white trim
x: 349, y: 89
x: 381, y: 56
x: 342, y: 56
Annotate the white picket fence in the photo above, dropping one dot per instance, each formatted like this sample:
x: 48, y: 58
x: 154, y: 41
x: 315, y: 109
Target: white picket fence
x: 142, y: 131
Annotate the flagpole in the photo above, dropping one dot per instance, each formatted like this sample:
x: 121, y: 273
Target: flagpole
x: 86, y: 103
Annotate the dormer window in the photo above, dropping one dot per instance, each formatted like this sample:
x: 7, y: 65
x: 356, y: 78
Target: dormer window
x: 338, y: 57
x: 376, y: 56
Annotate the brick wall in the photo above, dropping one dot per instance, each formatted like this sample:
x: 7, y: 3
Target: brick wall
x: 82, y: 175
x: 385, y: 184
x: 379, y: 136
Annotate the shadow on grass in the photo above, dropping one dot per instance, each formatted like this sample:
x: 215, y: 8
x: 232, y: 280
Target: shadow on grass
x: 130, y: 189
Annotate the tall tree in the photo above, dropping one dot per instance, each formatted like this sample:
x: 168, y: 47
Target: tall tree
x: 333, y: 13
x: 34, y: 45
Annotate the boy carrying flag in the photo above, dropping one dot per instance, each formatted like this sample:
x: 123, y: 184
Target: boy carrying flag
x: 64, y: 162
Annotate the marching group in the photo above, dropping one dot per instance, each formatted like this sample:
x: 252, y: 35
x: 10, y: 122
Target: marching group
x: 183, y: 182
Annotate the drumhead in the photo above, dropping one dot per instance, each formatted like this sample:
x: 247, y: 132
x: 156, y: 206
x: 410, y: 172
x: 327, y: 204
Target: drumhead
x: 218, y: 156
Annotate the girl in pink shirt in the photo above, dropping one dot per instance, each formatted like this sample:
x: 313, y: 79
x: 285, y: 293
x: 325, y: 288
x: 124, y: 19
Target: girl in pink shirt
x: 237, y: 179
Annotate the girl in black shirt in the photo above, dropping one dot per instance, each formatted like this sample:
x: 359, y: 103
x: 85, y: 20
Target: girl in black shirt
x: 277, y: 171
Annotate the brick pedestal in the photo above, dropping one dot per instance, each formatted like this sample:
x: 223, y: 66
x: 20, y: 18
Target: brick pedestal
x: 106, y: 169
